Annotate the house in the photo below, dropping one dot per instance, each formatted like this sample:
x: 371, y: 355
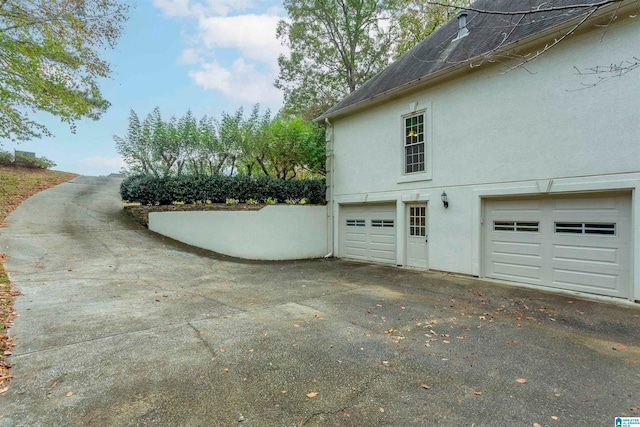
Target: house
x: 473, y: 154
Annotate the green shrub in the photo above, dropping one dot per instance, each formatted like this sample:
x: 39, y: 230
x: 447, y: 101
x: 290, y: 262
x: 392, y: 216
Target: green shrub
x: 32, y: 161
x: 151, y: 190
x: 6, y: 158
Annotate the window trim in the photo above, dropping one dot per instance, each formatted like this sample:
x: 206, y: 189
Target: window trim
x: 584, y: 228
x: 382, y: 223
x: 415, y: 144
x: 509, y: 226
x: 412, y: 111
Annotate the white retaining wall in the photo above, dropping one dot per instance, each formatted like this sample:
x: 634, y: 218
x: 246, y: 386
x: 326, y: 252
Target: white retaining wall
x: 275, y: 232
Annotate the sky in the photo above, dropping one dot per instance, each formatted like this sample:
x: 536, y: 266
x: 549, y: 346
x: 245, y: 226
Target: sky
x: 209, y: 56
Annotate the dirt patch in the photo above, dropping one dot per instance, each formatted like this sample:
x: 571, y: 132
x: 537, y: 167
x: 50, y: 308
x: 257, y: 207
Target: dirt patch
x: 140, y: 213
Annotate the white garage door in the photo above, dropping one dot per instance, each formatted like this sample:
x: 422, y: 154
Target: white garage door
x: 368, y: 232
x: 579, y: 243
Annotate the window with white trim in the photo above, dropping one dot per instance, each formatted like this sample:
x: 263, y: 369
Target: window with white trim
x: 414, y: 144
x: 527, y: 226
x: 604, y: 229
x: 382, y: 223
x: 355, y: 223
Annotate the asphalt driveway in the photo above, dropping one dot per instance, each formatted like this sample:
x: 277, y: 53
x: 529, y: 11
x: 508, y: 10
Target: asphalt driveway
x: 119, y: 326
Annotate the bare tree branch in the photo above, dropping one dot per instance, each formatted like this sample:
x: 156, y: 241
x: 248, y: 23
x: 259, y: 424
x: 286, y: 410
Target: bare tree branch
x: 597, y: 5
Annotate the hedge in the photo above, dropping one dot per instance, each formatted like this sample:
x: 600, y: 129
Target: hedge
x: 151, y: 190
x: 8, y: 159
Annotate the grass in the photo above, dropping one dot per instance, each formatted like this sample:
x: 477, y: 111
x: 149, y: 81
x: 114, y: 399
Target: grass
x: 17, y: 184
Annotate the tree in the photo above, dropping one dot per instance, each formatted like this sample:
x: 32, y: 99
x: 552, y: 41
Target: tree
x: 336, y: 45
x: 416, y: 19
x: 293, y: 146
x: 50, y: 61
x: 578, y: 11
x: 259, y: 145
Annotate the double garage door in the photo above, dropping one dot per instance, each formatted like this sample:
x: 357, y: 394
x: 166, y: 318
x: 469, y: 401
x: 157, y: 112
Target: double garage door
x: 577, y: 243
x: 368, y: 232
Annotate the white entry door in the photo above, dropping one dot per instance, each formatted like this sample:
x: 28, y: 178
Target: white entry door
x: 417, y: 236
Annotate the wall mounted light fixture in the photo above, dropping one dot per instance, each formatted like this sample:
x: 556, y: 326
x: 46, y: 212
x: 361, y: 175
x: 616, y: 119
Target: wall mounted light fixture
x: 445, y: 199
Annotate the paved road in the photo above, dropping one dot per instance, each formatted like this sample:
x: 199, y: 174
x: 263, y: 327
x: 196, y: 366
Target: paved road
x: 119, y: 326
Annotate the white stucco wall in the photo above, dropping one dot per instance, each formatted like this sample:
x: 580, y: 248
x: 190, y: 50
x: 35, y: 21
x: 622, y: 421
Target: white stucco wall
x: 275, y: 232
x: 498, y: 134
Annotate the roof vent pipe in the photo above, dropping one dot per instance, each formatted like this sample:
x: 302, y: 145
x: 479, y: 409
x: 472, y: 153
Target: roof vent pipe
x: 462, y: 24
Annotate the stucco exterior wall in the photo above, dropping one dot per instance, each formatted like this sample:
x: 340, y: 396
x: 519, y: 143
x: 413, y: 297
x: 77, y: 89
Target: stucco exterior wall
x: 275, y: 232
x: 492, y: 134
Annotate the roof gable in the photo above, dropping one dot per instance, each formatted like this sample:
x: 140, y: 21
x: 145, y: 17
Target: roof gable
x: 487, y: 32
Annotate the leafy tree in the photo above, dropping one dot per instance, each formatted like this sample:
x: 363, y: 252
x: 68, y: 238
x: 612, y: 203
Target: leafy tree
x: 416, y: 19
x: 283, y: 147
x: 336, y: 45
x: 50, y: 61
x: 296, y: 145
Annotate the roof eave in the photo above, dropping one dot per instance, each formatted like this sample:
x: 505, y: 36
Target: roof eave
x: 449, y: 71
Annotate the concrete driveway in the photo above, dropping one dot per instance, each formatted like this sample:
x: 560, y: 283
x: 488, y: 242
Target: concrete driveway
x: 119, y: 326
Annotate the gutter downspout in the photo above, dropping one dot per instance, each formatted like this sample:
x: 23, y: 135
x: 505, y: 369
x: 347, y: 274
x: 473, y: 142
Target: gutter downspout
x: 329, y: 165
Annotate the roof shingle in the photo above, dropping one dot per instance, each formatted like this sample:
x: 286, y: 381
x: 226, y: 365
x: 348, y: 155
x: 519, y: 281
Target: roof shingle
x: 487, y: 32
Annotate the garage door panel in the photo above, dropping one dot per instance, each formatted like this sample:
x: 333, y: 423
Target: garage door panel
x: 376, y: 239
x: 380, y: 255
x: 516, y: 272
x: 585, y: 280
x: 356, y: 253
x: 583, y: 243
x: 516, y: 248
x: 586, y: 254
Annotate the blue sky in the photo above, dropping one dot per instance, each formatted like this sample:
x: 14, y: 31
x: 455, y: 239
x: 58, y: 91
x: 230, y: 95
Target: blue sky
x: 207, y: 55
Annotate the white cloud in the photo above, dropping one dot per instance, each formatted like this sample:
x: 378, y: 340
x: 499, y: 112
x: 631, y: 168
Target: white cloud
x: 233, y: 48
x: 190, y: 56
x: 253, y: 35
x: 201, y: 8
x: 102, y: 165
x: 174, y: 7
x: 241, y: 81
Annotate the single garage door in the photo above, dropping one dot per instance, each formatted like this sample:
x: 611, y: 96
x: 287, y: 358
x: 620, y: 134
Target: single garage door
x: 577, y: 243
x: 368, y: 232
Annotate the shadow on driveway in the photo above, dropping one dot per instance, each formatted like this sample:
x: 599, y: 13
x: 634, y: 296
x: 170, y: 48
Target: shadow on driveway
x: 119, y: 326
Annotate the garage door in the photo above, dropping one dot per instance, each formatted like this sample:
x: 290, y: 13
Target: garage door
x: 368, y: 232
x: 579, y: 243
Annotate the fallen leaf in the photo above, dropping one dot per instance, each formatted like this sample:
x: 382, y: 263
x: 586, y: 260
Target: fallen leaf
x: 4, y: 390
x: 222, y: 350
x: 620, y: 347
x: 226, y: 369
x: 69, y: 394
x: 295, y: 325
x: 426, y: 387
x: 381, y: 409
x: 521, y: 381
x: 536, y: 425
x: 477, y: 393
x: 631, y: 362
x: 553, y: 417
x: 635, y: 408
x: 312, y: 394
